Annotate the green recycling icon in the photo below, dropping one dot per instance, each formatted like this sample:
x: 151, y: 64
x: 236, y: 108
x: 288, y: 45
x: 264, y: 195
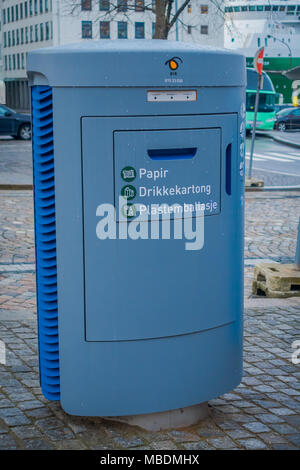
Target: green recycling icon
x: 129, y: 210
x: 128, y: 173
x: 128, y: 192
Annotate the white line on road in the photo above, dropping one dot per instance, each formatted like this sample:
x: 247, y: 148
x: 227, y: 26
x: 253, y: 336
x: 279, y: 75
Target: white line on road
x: 268, y: 157
x: 278, y: 172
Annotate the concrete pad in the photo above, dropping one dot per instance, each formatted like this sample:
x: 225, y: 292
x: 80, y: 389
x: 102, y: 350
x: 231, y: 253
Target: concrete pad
x: 253, y: 183
x: 173, y: 419
x: 276, y: 280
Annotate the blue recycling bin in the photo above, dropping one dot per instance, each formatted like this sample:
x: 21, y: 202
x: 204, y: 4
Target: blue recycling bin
x: 138, y: 151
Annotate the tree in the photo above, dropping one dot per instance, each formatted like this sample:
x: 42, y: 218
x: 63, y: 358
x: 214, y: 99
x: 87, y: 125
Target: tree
x: 166, y: 12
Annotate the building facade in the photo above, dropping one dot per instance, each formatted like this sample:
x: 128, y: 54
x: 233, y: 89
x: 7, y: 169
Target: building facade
x: 32, y: 24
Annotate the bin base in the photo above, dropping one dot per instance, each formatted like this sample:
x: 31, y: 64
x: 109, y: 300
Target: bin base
x: 173, y: 419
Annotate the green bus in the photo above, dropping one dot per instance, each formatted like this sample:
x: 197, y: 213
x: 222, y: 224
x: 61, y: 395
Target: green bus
x: 266, y: 115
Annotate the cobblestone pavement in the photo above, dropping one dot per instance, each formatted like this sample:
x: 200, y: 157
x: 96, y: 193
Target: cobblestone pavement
x: 262, y: 413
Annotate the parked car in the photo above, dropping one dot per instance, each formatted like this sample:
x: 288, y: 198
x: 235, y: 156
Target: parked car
x: 17, y: 125
x: 281, y: 107
x: 288, y: 119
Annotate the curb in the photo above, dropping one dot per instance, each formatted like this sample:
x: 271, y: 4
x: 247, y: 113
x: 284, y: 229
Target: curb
x: 279, y: 139
x: 16, y: 187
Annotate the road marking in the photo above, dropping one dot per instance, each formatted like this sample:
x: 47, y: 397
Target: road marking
x: 268, y: 157
x: 277, y: 172
x: 255, y: 158
x: 289, y: 155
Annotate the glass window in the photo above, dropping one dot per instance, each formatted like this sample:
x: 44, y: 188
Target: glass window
x: 8, y: 39
x: 153, y: 29
x: 244, y: 8
x: 252, y: 8
x: 86, y: 5
x: 26, y: 9
x: 14, y: 62
x: 204, y: 29
x: 35, y: 7
x: 13, y: 38
x: 86, y: 30
x: 9, y: 61
x: 236, y: 9
x: 26, y: 35
x: 21, y: 11
x: 12, y: 14
x: 291, y: 9
x: 36, y: 33
x: 31, y: 33
x: 5, y: 58
x: 22, y: 61
x: 8, y: 15
x: 104, y: 5
x: 46, y: 6
x: 204, y: 9
x: 47, y: 31
x: 275, y: 8
x: 267, y: 7
x: 281, y: 8
x: 4, y: 16
x: 4, y: 39
x: 122, y: 5
x: 22, y: 35
x: 139, y: 5
x: 139, y: 30
x: 30, y: 8
x: 41, y: 32
x: 189, y: 29
x: 122, y: 29
x: 104, y: 30
x: 18, y: 37
x: 259, y: 8
x: 17, y: 12
x: 189, y: 9
x: 51, y: 29
x: 258, y: 42
x: 18, y: 61
x: 41, y: 6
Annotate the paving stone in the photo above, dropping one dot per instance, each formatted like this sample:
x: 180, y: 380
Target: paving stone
x: 7, y: 442
x: 252, y: 444
x: 257, y: 427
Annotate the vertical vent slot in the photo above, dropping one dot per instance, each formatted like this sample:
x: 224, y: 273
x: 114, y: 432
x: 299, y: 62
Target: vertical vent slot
x: 228, y: 169
x: 45, y: 239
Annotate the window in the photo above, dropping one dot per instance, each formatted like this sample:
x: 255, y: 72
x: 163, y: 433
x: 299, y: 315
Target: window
x: 26, y: 35
x: 13, y: 38
x: 104, y: 5
x: 258, y: 42
x: 86, y: 5
x: 41, y: 32
x: 8, y: 15
x: 22, y: 35
x: 153, y: 29
x: 267, y: 7
x: 21, y: 11
x: 122, y: 30
x: 26, y: 9
x: 31, y: 33
x: 47, y: 31
x: 104, y: 30
x: 5, y: 58
x: 189, y: 9
x: 281, y: 8
x: 139, y: 5
x: 35, y: 7
x: 36, y: 33
x: 266, y: 41
x: 4, y: 16
x: 275, y: 7
x: 17, y: 12
x: 9, y: 62
x: 18, y: 37
x: 251, y: 7
x: 8, y: 39
x: 22, y: 61
x: 237, y: 9
x: 244, y: 8
x: 30, y: 8
x: 4, y: 39
x: 12, y: 14
x: 204, y: 29
x: 189, y: 29
x: 204, y: 9
x: 41, y: 6
x: 14, y: 62
x: 139, y: 30
x: 86, y: 29
x: 46, y: 6
x: 122, y: 5
x: 259, y: 8
x: 291, y: 9
x: 18, y: 61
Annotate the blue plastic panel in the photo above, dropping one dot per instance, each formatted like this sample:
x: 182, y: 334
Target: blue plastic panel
x: 45, y: 237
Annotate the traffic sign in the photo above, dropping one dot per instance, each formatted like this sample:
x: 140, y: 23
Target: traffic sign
x: 258, y: 60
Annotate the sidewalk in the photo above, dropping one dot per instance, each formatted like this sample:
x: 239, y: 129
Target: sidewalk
x: 262, y: 413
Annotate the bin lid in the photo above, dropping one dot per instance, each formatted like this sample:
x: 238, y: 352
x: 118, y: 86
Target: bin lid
x: 135, y: 63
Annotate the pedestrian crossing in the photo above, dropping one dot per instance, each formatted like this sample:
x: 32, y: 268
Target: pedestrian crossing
x: 275, y: 156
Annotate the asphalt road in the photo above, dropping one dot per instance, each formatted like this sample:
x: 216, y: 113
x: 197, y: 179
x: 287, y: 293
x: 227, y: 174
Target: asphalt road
x: 275, y: 163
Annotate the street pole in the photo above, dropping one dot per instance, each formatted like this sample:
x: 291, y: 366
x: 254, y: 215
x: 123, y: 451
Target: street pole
x: 258, y: 62
x: 259, y: 84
